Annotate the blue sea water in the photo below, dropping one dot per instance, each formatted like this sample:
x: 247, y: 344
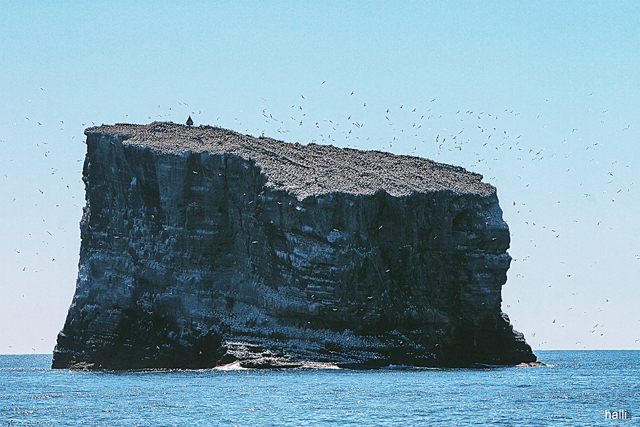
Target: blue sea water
x: 576, y: 388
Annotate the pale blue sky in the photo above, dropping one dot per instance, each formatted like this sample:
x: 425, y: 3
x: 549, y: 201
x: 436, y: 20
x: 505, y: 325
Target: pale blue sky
x: 541, y: 97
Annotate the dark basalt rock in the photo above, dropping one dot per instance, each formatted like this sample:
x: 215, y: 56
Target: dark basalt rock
x: 202, y: 247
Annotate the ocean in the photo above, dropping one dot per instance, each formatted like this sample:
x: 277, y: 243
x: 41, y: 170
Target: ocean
x: 575, y: 388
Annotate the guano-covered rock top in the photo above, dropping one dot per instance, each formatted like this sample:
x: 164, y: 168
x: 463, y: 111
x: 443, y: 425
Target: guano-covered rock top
x: 306, y: 170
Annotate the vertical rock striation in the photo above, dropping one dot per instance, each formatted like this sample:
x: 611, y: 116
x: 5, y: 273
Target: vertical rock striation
x: 202, y: 246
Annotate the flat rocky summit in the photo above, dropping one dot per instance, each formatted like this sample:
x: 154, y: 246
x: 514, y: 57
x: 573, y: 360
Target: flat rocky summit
x: 307, y: 170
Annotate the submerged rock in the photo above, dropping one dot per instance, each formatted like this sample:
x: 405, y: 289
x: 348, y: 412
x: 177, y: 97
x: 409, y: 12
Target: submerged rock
x: 202, y: 247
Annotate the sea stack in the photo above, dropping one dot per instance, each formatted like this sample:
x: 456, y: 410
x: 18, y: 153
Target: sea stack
x: 202, y: 247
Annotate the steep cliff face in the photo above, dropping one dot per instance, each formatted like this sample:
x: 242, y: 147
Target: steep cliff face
x: 201, y: 247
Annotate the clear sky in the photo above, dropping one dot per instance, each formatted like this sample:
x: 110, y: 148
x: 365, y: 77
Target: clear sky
x: 541, y: 97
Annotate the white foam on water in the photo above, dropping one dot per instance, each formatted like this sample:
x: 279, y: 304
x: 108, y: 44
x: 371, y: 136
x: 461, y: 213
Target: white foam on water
x: 235, y: 366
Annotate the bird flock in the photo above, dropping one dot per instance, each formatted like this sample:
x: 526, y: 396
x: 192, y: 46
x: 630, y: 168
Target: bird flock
x: 511, y: 147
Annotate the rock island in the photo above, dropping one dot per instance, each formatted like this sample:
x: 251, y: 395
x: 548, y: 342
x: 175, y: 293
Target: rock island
x: 203, y: 247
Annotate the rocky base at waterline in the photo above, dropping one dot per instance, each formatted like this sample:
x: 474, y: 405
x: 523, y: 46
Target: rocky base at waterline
x: 203, y: 247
